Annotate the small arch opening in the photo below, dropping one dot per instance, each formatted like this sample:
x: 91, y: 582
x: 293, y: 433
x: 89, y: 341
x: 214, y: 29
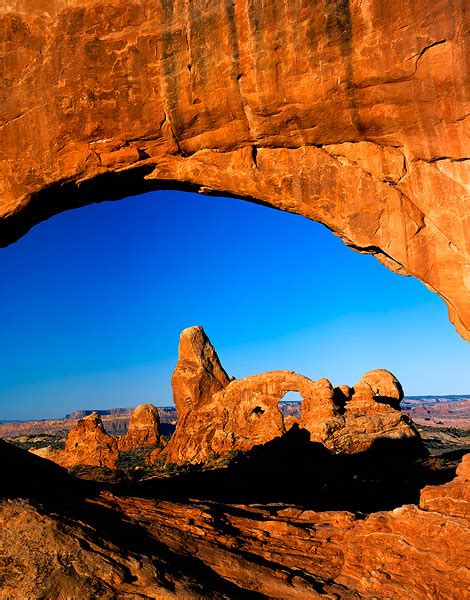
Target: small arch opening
x: 256, y: 413
x: 290, y: 406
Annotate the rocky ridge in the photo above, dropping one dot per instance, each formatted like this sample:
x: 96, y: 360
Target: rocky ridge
x: 93, y: 542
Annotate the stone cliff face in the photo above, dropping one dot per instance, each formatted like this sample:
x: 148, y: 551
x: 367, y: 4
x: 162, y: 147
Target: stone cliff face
x: 217, y: 415
x: 301, y: 106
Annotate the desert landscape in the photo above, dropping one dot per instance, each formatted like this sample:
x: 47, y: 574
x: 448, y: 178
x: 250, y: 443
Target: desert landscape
x: 243, y: 498
x: 350, y: 114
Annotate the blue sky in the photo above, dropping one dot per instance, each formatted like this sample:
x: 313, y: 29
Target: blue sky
x: 94, y: 300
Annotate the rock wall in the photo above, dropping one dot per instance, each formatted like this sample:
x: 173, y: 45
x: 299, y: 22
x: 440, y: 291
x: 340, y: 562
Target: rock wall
x: 353, y: 113
x: 217, y: 414
x: 139, y: 547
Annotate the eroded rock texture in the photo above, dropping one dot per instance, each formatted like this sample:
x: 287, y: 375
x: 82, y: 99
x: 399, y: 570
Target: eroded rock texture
x: 453, y: 498
x: 88, y: 445
x: 217, y: 415
x: 348, y: 112
x: 144, y: 429
x: 108, y: 545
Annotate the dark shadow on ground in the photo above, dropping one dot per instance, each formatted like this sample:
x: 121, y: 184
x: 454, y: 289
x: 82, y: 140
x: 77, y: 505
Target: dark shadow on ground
x: 289, y: 470
x: 292, y: 470
x: 66, y: 498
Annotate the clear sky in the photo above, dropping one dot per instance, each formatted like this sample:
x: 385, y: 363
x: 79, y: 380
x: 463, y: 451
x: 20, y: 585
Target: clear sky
x: 94, y: 300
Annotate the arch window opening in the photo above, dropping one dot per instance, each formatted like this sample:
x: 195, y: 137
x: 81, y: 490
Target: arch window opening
x: 256, y: 413
x: 115, y: 283
x: 290, y: 406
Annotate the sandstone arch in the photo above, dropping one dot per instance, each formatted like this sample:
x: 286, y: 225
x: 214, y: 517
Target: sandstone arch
x: 218, y: 414
x: 297, y: 105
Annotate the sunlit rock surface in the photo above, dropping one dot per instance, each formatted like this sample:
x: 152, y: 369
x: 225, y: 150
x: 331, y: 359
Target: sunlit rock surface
x: 216, y: 415
x: 453, y: 498
x: 144, y: 429
x: 301, y: 106
x: 87, y: 445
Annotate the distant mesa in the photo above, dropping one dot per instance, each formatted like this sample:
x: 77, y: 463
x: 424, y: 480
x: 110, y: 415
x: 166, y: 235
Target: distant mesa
x: 217, y: 414
x: 79, y: 414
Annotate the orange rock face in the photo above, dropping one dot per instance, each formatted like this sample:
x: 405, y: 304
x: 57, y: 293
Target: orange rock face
x: 198, y: 375
x: 297, y: 106
x: 144, y: 429
x: 453, y: 498
x: 407, y: 553
x: 88, y: 445
x: 216, y: 415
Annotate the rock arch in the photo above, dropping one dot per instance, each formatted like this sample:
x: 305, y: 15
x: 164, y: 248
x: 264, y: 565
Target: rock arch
x: 218, y: 414
x: 294, y: 105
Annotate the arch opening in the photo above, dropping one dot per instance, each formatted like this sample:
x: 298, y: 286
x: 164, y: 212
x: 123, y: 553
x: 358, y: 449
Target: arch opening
x: 290, y: 406
x: 202, y: 229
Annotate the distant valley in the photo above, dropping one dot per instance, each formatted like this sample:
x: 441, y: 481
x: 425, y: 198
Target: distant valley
x: 451, y: 411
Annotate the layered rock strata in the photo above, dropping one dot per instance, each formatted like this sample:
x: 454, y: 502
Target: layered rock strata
x: 135, y: 547
x: 217, y: 415
x: 453, y: 498
x: 144, y: 429
x: 297, y: 106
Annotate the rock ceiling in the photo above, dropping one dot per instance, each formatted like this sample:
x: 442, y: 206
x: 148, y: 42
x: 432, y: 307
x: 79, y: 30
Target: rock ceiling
x: 353, y: 113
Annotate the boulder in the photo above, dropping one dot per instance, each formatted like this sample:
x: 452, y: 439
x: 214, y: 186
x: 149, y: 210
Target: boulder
x: 368, y: 415
x: 48, y: 452
x: 144, y: 429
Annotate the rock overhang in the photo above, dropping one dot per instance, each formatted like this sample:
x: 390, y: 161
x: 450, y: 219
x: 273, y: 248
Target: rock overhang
x: 302, y: 110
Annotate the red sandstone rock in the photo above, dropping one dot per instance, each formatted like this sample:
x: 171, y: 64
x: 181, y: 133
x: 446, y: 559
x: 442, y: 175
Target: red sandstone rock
x: 297, y: 106
x: 198, y: 375
x: 144, y: 429
x: 218, y: 415
x: 453, y: 498
x: 403, y: 553
x: 407, y: 553
x: 371, y: 413
x: 49, y: 453
x: 88, y: 445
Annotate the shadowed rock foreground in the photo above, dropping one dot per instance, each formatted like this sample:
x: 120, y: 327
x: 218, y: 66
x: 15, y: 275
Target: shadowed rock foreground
x: 62, y: 537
